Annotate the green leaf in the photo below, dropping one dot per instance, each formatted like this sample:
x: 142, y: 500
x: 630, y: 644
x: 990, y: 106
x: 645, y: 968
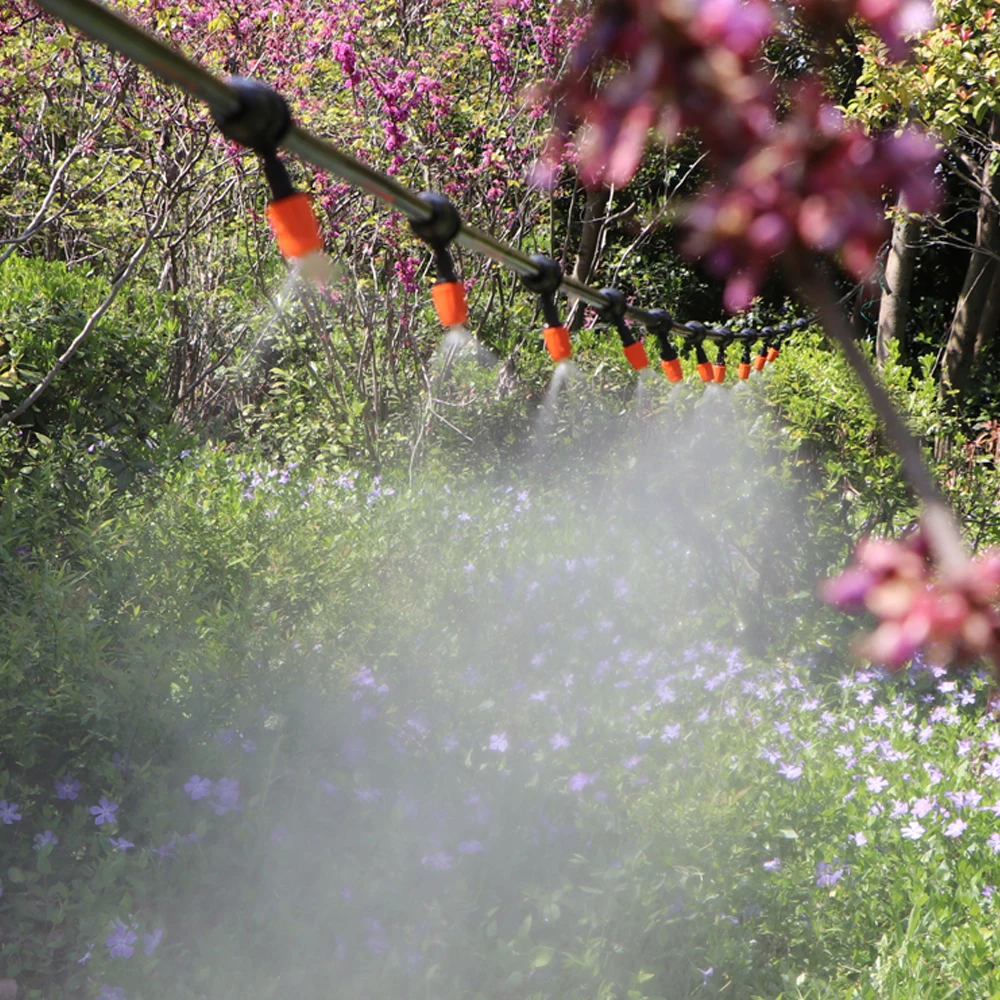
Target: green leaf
x: 541, y: 956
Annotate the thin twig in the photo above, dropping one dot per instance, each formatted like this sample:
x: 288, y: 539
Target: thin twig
x: 941, y: 529
x: 92, y: 321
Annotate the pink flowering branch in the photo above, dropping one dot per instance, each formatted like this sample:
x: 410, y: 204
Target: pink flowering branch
x: 787, y: 188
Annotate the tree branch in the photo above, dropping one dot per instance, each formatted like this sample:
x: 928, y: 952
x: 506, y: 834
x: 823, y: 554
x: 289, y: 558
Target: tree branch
x: 940, y: 527
x: 92, y: 321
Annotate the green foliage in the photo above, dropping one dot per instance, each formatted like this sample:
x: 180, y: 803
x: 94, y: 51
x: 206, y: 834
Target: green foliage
x: 952, y: 83
x: 210, y: 625
x: 109, y: 399
x: 840, y: 454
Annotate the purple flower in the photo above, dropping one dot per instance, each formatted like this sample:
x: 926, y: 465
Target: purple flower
x: 120, y: 844
x: 227, y: 795
x: 167, y: 850
x: 104, y: 812
x: 790, y: 771
x: 859, y: 839
x: 67, y: 788
x: 437, y: 861
x: 580, y: 780
x: 152, y: 941
x: 559, y: 742
x: 993, y: 842
x: 470, y: 847
x: 198, y: 788
x: 498, y: 742
x: 827, y: 876
x: 111, y: 993
x: 922, y: 807
x: 671, y: 733
x: 955, y: 828
x: 877, y: 784
x: 970, y: 798
x: 773, y: 865
x: 912, y: 831
x: 249, y: 746
x: 121, y: 941
x: 9, y: 812
x: 44, y: 839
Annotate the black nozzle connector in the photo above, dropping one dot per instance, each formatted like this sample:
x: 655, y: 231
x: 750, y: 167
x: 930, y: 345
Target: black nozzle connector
x: 694, y: 336
x: 801, y: 324
x: 767, y: 335
x: 277, y: 176
x: 661, y: 325
x: 263, y: 118
x: 545, y: 284
x: 723, y: 338
x: 614, y: 313
x: 438, y: 231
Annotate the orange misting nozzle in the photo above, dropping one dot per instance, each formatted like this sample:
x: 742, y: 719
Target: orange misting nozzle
x: 437, y: 231
x: 672, y: 369
x: 636, y: 355
x: 449, y: 303
x: 613, y: 313
x: 557, y: 343
x: 661, y: 323
x: 767, y: 333
x: 545, y: 283
x: 706, y: 370
x: 772, y: 354
x: 725, y: 338
x: 744, y: 370
x: 295, y: 226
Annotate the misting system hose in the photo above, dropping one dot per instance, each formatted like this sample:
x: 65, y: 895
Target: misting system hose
x: 227, y: 102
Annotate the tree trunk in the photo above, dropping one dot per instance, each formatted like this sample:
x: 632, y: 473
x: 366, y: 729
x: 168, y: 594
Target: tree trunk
x: 989, y: 321
x: 594, y: 210
x: 965, y: 325
x: 894, y: 309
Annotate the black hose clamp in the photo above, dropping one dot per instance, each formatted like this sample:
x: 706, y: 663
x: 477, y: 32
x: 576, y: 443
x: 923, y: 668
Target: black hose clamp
x: 613, y: 313
x: 443, y: 224
x: 438, y: 231
x: 545, y: 284
x: 263, y: 118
